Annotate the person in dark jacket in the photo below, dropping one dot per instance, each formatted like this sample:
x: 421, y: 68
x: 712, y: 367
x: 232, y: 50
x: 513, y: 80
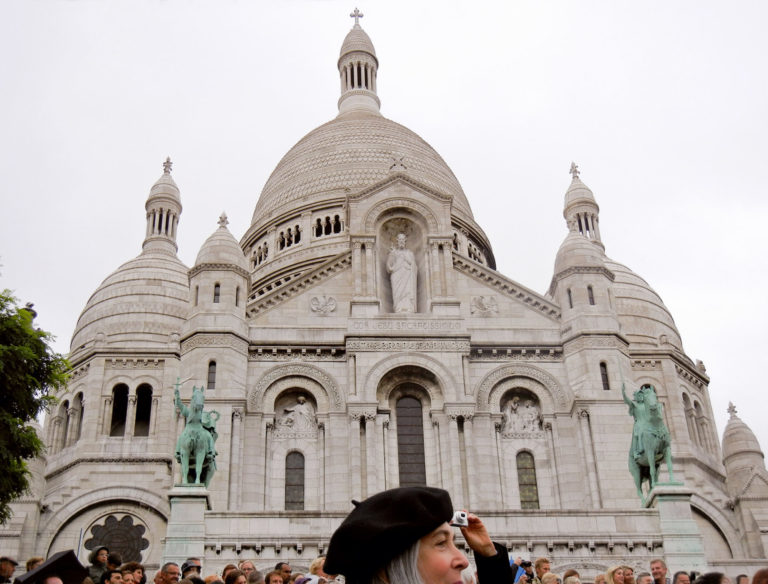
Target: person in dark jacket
x: 98, y: 559
x: 404, y: 536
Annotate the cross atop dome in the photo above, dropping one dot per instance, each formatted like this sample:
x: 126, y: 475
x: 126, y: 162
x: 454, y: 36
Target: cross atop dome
x: 223, y: 221
x: 732, y: 410
x: 357, y: 15
x: 167, y: 165
x: 574, y: 172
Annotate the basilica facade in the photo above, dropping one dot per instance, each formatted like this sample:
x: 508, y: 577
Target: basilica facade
x: 358, y: 337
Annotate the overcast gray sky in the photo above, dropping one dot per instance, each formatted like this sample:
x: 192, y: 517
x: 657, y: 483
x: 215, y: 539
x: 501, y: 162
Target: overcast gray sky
x: 663, y: 104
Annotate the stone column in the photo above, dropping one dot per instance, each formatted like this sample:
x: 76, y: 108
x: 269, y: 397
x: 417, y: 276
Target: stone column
x: 130, y: 416
x: 234, y: 459
x: 370, y: 262
x: 382, y: 424
x: 434, y: 268
x: 106, y: 415
x: 153, y: 416
x: 448, y: 269
x: 555, y: 466
x: 470, y: 459
x: 355, y: 470
x: 371, y: 459
x: 683, y: 544
x: 357, y: 267
x: 586, y: 439
x: 73, y: 416
x: 454, y: 453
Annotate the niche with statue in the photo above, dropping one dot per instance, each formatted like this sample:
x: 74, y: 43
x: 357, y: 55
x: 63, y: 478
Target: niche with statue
x: 295, y: 415
x: 400, y: 248
x: 521, y: 414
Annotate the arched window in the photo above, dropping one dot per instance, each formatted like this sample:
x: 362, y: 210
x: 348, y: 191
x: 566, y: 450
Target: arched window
x: 410, y: 442
x: 690, y: 419
x: 65, y: 423
x: 526, y: 478
x: 212, y: 375
x: 79, y: 412
x: 294, y: 481
x: 570, y: 298
x: 119, y: 409
x: 604, y: 376
x: 143, y: 410
x: 216, y: 292
x: 591, y: 295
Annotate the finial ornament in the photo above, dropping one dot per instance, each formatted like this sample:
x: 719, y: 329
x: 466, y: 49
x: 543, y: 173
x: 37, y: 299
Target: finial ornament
x: 357, y: 15
x: 223, y: 221
x: 167, y: 165
x: 732, y: 409
x: 574, y: 172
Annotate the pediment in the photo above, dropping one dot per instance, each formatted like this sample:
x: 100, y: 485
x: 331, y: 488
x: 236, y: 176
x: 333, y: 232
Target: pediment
x: 509, y: 288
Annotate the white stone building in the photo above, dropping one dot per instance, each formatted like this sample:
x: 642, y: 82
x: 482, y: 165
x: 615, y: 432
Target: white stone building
x: 460, y: 378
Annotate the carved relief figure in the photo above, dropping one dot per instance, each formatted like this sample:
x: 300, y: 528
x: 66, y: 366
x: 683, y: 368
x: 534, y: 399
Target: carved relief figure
x: 401, y: 267
x: 520, y: 416
x: 300, y: 417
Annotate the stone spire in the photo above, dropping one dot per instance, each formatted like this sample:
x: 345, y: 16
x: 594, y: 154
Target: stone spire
x: 163, y: 209
x: 358, y: 67
x: 581, y: 211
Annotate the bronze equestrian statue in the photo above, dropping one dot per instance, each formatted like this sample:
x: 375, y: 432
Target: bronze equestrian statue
x: 650, y: 438
x: 195, y: 448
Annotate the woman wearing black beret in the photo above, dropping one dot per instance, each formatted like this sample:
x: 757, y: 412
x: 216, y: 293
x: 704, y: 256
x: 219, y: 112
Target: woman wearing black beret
x: 403, y: 536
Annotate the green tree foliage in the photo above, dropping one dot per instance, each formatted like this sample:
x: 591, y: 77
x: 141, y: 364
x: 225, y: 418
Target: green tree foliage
x: 29, y: 371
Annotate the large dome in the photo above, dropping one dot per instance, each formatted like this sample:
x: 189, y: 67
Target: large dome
x: 140, y: 304
x: 644, y: 318
x: 349, y: 153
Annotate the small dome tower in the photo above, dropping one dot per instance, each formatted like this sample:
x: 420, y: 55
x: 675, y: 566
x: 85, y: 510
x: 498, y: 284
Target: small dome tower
x: 358, y: 67
x: 163, y: 209
x: 216, y: 331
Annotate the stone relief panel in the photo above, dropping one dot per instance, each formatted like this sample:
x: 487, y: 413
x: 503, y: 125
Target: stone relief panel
x: 484, y: 306
x: 521, y: 415
x: 295, y: 416
x: 322, y: 305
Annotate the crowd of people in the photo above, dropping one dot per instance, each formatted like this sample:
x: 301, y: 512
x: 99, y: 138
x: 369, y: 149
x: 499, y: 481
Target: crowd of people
x: 539, y: 572
x: 400, y: 536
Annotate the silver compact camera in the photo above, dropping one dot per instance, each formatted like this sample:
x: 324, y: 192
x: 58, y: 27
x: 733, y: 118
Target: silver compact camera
x: 460, y: 519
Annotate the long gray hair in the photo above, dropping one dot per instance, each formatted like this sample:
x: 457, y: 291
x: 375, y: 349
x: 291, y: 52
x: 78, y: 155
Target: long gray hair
x: 402, y: 569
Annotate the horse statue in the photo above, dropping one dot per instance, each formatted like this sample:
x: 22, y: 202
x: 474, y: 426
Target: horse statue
x: 650, y: 438
x: 196, y: 445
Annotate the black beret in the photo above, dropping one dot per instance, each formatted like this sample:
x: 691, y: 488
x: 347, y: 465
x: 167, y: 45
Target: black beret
x: 383, y: 527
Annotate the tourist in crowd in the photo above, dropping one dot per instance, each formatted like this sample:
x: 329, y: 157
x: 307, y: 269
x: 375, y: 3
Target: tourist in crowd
x: 170, y: 573
x: 114, y: 561
x: 235, y: 577
x: 644, y: 578
x: 629, y: 574
x: 615, y: 575
x: 568, y: 573
x: 742, y: 579
x: 285, y: 571
x: 659, y: 571
x: 572, y: 580
x: 541, y: 567
x: 402, y: 536
x: 681, y: 578
x: 191, y: 566
x: 127, y: 576
x: 98, y: 559
x: 551, y: 578
x: 599, y: 578
x: 34, y: 562
x: 227, y: 569
x: 246, y: 567
x: 713, y: 578
x: 111, y: 577
x: 139, y: 577
x: 7, y: 568
x: 274, y: 577
x: 255, y: 577
x: 760, y: 577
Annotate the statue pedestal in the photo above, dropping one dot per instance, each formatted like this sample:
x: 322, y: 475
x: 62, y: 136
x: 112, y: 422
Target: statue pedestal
x: 185, y: 535
x: 683, y: 545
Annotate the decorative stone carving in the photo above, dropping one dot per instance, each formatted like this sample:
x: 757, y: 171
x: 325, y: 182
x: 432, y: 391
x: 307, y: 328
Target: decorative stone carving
x: 322, y: 305
x: 461, y: 346
x: 134, y: 363
x: 120, y: 535
x: 498, y: 375
x: 484, y: 306
x: 298, y: 418
x: 521, y: 416
x: 321, y: 377
x: 214, y: 340
x: 403, y: 271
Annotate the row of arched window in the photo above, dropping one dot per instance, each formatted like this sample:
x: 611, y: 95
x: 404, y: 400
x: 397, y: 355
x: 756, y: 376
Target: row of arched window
x: 260, y: 254
x: 698, y: 425
x: 590, y: 296
x: 328, y: 225
x: 288, y: 237
x: 139, y: 421
x: 67, y: 424
x: 358, y: 75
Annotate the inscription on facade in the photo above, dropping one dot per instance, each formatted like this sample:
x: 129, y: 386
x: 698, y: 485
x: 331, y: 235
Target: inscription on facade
x: 409, y: 345
x: 405, y: 325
